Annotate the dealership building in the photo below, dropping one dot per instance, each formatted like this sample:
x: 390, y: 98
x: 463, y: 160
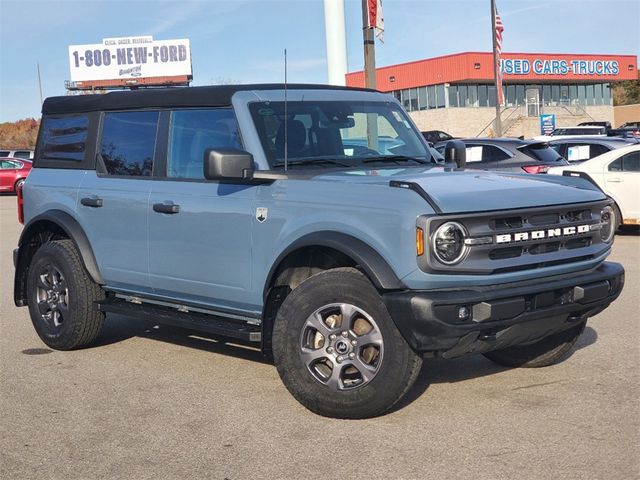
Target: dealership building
x: 456, y: 92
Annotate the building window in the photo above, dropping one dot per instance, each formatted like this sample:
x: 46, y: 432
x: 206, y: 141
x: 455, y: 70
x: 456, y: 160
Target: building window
x: 590, y: 95
x: 440, y: 99
x: 519, y: 94
x: 564, y: 94
x: 473, y: 96
x: 491, y: 93
x: 573, y: 94
x: 398, y: 95
x: 462, y: 95
x: 597, y: 94
x: 606, y: 94
x: 413, y: 98
x: 511, y: 95
x: 555, y: 94
x: 422, y: 98
x: 483, y: 95
x: 582, y: 94
x: 453, y: 95
x: 431, y: 93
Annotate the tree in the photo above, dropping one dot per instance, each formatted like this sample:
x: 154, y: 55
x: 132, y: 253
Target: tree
x: 627, y: 92
x: 20, y: 134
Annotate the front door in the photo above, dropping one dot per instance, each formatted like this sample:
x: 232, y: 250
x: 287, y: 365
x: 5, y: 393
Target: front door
x: 622, y: 177
x: 200, y: 231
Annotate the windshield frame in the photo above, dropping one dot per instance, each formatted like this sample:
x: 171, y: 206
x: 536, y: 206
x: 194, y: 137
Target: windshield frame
x: 389, y: 109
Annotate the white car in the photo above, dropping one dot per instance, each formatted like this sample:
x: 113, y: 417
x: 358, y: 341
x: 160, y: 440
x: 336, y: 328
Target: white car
x: 572, y: 132
x: 617, y: 173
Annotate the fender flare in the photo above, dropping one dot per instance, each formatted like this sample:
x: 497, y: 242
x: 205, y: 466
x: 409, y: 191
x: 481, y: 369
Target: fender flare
x: 371, y: 262
x: 74, y: 231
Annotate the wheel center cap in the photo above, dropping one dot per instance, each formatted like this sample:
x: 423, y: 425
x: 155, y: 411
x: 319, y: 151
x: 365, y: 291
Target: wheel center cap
x: 342, y: 347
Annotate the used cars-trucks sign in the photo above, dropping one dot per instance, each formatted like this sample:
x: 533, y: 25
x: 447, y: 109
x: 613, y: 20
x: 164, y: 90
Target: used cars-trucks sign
x: 131, y: 57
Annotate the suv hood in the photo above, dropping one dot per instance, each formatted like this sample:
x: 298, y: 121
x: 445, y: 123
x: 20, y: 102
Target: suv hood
x: 476, y: 191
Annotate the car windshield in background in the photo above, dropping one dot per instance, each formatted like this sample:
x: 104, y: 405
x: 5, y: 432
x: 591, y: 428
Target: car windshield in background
x: 337, y: 134
x: 542, y: 152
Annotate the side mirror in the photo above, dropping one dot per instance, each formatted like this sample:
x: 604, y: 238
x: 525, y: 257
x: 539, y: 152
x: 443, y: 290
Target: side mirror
x: 456, y: 152
x: 227, y: 164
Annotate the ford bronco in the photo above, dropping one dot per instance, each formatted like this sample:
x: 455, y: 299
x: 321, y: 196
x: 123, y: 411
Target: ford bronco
x: 310, y: 222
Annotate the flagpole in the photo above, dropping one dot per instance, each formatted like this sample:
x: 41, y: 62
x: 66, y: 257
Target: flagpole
x: 496, y: 68
x: 369, y: 48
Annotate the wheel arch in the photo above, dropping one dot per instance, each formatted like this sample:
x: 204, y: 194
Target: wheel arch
x: 329, y: 249
x: 45, y: 227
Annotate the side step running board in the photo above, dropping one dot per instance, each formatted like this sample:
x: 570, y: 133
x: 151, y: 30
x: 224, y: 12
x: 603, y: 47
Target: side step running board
x: 195, y: 321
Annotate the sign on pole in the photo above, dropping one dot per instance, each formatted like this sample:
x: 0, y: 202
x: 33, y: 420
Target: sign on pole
x: 547, y: 123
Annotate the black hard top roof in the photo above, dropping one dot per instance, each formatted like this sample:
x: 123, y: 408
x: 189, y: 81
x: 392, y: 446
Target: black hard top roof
x: 210, y: 96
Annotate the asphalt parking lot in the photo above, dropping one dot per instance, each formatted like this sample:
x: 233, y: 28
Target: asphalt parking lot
x: 162, y: 403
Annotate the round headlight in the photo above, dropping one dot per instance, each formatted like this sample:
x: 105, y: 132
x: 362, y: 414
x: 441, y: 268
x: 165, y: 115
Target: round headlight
x: 448, y: 243
x: 607, y: 224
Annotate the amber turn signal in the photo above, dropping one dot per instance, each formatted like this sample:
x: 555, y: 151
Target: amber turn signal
x: 419, y: 241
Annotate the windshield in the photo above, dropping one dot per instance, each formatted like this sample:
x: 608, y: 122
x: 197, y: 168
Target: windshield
x: 342, y: 134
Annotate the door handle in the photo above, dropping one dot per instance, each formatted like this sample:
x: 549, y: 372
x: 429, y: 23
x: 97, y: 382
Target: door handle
x: 94, y: 202
x: 166, y: 208
x: 615, y: 180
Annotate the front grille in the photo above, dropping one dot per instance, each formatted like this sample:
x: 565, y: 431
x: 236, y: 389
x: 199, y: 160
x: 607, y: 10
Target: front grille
x: 524, y: 239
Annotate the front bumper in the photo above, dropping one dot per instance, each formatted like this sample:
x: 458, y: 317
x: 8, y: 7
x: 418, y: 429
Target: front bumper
x: 501, y: 315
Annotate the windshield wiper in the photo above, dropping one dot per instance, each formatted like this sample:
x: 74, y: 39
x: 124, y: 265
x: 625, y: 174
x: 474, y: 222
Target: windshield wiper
x: 311, y: 161
x: 394, y: 159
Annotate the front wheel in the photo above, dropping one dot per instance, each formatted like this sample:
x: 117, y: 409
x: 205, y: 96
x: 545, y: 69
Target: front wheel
x: 549, y: 350
x: 337, y: 349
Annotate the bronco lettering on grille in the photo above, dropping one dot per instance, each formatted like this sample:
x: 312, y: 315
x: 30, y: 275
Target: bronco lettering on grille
x: 542, y: 234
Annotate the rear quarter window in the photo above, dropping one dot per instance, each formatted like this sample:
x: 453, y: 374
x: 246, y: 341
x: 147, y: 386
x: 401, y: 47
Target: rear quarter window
x: 63, y: 139
x: 541, y: 152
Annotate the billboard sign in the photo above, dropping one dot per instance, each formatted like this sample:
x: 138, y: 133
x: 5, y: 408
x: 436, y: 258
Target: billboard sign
x: 547, y: 124
x: 130, y: 57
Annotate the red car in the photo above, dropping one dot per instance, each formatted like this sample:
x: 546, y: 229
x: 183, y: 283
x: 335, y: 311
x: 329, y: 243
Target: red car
x: 13, y: 173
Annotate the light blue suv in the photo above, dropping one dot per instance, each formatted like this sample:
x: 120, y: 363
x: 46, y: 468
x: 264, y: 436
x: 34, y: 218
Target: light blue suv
x: 313, y: 223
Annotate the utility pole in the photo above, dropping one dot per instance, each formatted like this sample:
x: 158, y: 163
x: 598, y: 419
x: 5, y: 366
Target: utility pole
x: 369, y: 48
x: 496, y: 68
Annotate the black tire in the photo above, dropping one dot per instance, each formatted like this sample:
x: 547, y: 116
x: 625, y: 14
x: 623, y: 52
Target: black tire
x: 17, y: 184
x: 548, y: 351
x: 618, y: 215
x: 58, y: 282
x: 397, y: 365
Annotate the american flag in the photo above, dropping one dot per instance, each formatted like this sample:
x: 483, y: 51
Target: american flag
x: 499, y: 28
x: 375, y: 18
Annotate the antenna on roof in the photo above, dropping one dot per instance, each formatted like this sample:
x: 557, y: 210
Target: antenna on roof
x: 286, y: 115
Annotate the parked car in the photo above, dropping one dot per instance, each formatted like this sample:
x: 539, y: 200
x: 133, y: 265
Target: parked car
x: 595, y: 123
x: 509, y: 154
x: 579, y: 149
x: 212, y: 209
x: 567, y: 132
x: 617, y: 173
x: 435, y: 136
x: 13, y: 173
x: 25, y: 154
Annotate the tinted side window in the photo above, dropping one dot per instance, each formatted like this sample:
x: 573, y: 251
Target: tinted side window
x: 4, y: 153
x: 493, y: 153
x: 616, y: 165
x: 597, y: 150
x: 128, y: 142
x: 192, y: 132
x: 22, y: 154
x: 63, y: 138
x: 631, y: 162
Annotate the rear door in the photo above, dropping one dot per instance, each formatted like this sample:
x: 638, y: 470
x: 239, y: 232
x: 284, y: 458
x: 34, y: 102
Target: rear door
x: 200, y: 230
x: 622, y: 179
x: 113, y: 201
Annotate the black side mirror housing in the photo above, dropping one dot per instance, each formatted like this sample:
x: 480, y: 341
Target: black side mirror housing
x: 227, y: 164
x: 456, y: 152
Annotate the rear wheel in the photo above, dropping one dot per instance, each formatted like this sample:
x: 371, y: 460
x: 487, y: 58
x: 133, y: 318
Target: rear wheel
x: 337, y: 349
x: 60, y: 295
x: 549, y: 350
x: 18, y: 184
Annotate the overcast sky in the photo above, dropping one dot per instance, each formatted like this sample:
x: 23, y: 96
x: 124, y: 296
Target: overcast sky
x: 243, y: 40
